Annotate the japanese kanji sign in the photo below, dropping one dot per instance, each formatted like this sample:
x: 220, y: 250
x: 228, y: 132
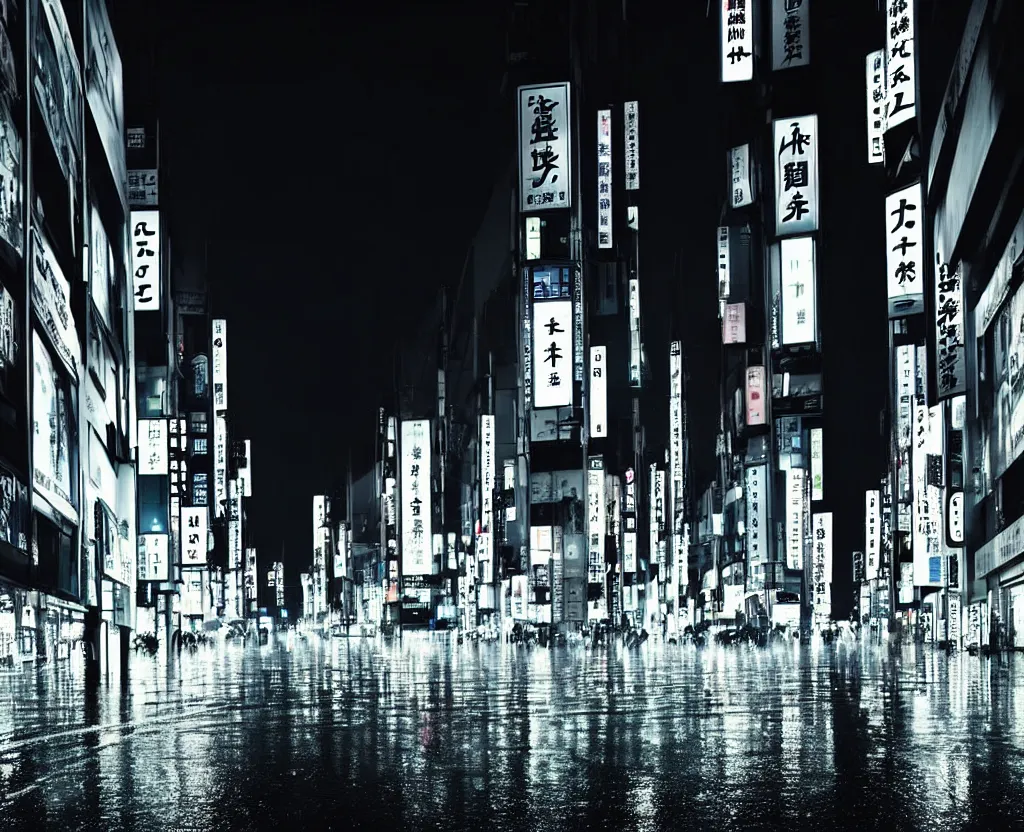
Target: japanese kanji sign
x: 145, y: 246
x: 193, y: 536
x: 552, y: 353
x: 796, y: 175
x: 875, y: 86
x: 417, y: 557
x: 545, y: 163
x: 791, y: 43
x: 737, y: 40
x: 153, y: 447
x: 904, y: 247
x: 900, y: 73
x: 631, y: 144
x: 799, y: 284
x: 950, y: 353
x: 604, y: 178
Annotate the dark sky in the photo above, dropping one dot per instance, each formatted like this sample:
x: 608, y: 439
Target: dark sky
x: 301, y: 145
x: 302, y: 141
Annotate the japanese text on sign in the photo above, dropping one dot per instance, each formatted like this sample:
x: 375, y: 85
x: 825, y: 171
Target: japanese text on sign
x: 544, y: 161
x: 145, y: 244
x: 631, y: 144
x: 796, y: 175
x: 950, y: 358
x: 604, y: 178
x: 737, y: 41
x: 900, y: 81
x: 790, y: 46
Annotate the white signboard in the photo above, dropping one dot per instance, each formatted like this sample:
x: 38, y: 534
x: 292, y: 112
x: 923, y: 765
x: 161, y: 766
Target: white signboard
x: 220, y: 364
x: 955, y: 519
x: 245, y: 474
x: 900, y: 75
x: 872, y: 534
x: 796, y: 175
x: 234, y: 528
x: 152, y: 564
x: 545, y: 163
x: 220, y: 465
x: 153, y: 452
x: 319, y: 521
x: 756, y: 414
x: 734, y: 324
x: 485, y: 547
x: 193, y: 536
x: 791, y: 33
x: 552, y: 350
x: 145, y: 243
x: 631, y: 144
x: 143, y: 188
x: 629, y: 552
x: 799, y: 287
x: 737, y: 42
x: 927, y: 508
x: 950, y: 352
x: 817, y: 472
x: 519, y: 587
x: 875, y: 86
x: 904, y: 248
x: 596, y: 522
x: 634, y: 332
x: 821, y: 568
x: 795, y: 518
x: 598, y: 392
x: 757, y: 529
x: 954, y: 619
x: 51, y: 299
x: 904, y: 393
x: 739, y: 177
x: 676, y: 437
x: 604, y: 178
x: 340, y: 551
x: 723, y: 262
x: 417, y: 558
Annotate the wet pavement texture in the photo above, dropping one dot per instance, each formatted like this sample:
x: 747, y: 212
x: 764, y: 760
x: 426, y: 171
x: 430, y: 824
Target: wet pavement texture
x: 424, y: 734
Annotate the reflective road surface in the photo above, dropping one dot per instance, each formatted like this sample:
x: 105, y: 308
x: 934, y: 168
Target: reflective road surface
x: 353, y: 733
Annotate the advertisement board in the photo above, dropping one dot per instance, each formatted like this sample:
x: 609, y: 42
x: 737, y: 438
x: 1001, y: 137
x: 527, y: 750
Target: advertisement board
x: 220, y: 364
x: 153, y: 448
x: 791, y: 33
x: 417, y: 558
x: 901, y: 66
x: 55, y: 434
x: 796, y: 175
x: 553, y: 354
x: 145, y: 247
x: 545, y: 147
x: 193, y: 536
x: 604, y: 179
x: 737, y: 37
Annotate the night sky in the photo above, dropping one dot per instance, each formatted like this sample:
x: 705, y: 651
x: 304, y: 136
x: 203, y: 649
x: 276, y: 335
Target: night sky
x: 304, y: 146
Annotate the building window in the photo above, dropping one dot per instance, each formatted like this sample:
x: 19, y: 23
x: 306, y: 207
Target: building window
x: 199, y: 446
x: 153, y: 503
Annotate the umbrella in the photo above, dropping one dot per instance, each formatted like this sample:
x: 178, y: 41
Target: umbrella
x: 214, y: 624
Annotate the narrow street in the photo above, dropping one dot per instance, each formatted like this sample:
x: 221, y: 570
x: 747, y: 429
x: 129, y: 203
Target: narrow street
x: 424, y: 734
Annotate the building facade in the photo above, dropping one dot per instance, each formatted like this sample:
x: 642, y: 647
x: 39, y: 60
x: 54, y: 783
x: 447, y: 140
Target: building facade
x: 68, y: 432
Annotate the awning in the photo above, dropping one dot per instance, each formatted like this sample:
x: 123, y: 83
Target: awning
x: 52, y: 602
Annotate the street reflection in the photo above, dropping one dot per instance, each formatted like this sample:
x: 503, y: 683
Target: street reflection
x: 425, y: 733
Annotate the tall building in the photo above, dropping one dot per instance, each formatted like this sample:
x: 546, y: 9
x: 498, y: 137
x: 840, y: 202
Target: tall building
x: 67, y: 401
x: 769, y: 536
x: 962, y: 111
x: 534, y: 467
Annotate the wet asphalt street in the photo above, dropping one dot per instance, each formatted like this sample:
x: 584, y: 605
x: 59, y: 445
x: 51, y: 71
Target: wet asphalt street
x: 352, y: 733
